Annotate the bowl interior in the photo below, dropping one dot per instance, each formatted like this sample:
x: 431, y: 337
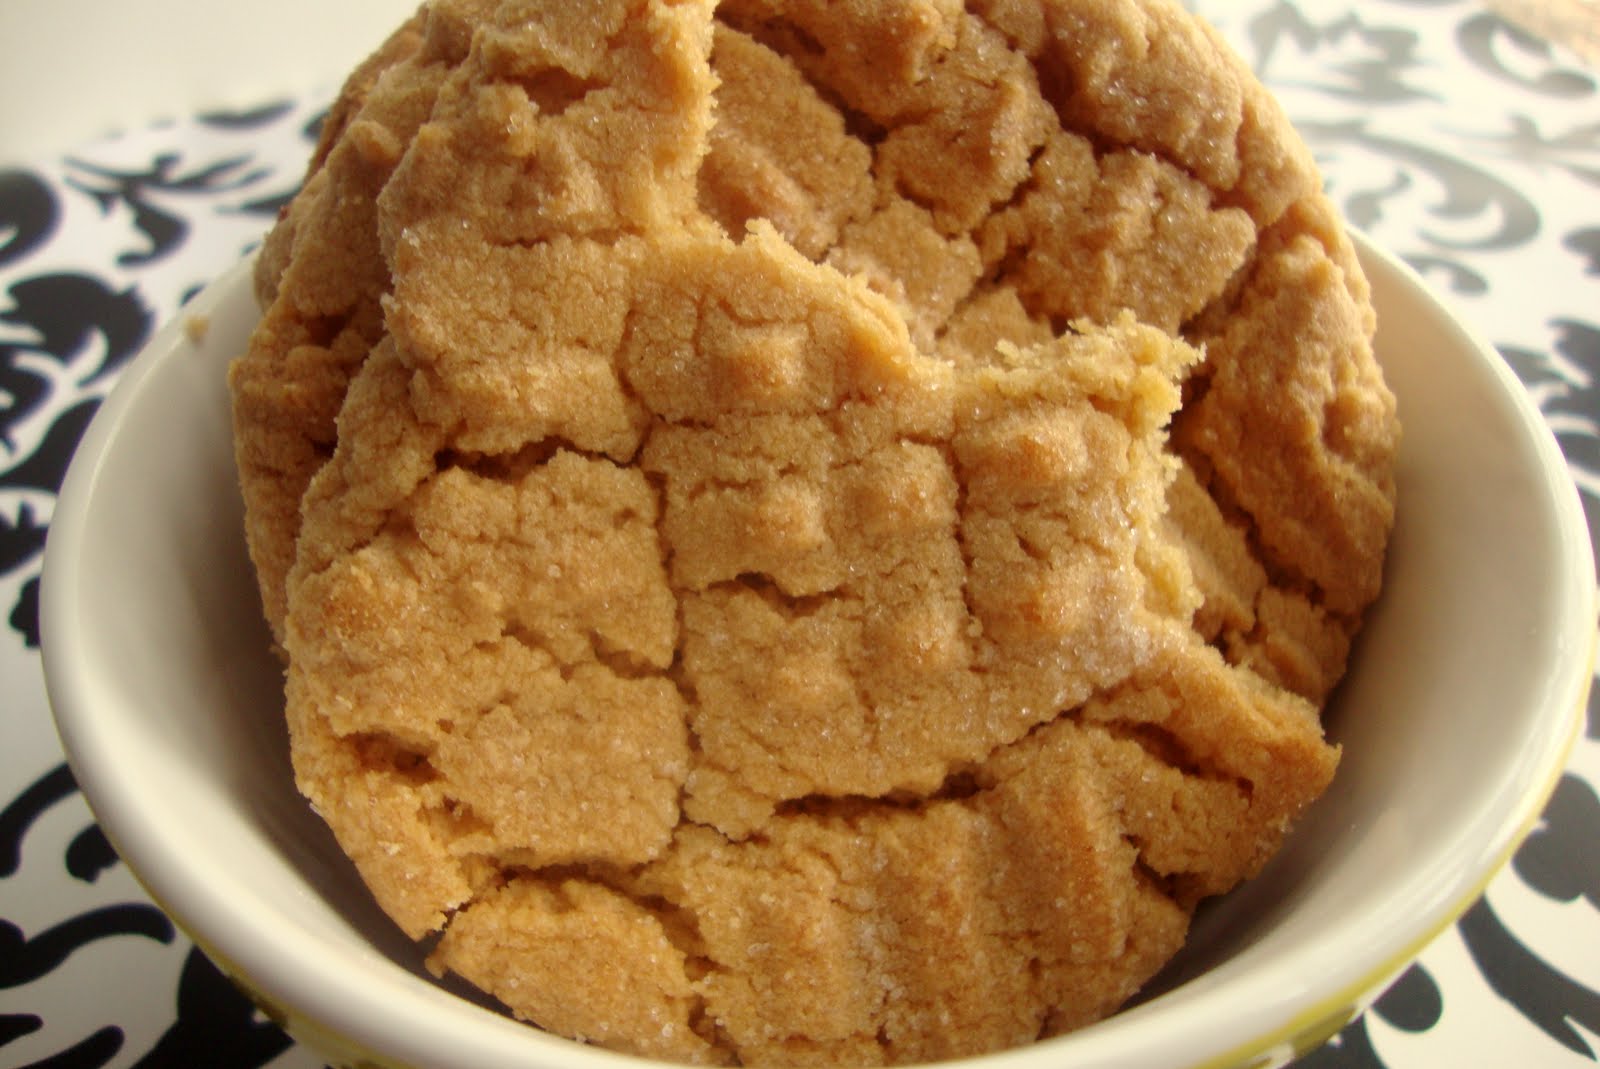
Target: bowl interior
x: 1463, y: 699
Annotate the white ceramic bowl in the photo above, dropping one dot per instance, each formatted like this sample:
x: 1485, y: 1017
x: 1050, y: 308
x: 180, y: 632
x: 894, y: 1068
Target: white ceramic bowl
x: 1464, y: 698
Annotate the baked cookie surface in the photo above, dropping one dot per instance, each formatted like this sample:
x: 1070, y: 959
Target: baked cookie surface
x: 808, y: 533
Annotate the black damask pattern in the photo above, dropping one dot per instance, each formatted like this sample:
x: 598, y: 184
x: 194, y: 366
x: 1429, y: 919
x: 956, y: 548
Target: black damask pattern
x: 92, y: 1052
x: 1558, y: 860
x: 1541, y: 993
x: 1570, y: 399
x: 1389, y: 72
x: 25, y: 958
x: 66, y: 332
x: 88, y: 854
x: 28, y: 214
x: 1481, y: 36
x: 1413, y: 1003
x: 1572, y: 148
x: 255, y: 118
x: 16, y: 1025
x: 216, y: 1024
x: 17, y: 817
x: 1585, y: 243
x: 1466, y: 191
x: 56, y: 327
x: 137, y: 190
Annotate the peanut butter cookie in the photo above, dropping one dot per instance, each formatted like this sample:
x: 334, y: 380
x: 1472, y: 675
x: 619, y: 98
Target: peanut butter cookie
x: 810, y: 533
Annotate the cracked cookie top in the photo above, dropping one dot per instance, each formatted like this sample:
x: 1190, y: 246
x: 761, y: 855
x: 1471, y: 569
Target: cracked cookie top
x: 810, y: 533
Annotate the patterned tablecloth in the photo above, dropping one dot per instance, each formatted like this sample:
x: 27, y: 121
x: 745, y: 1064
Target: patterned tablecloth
x: 1455, y: 138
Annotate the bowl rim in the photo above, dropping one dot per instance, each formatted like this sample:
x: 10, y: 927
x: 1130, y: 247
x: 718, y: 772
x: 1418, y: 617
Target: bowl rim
x: 323, y: 1006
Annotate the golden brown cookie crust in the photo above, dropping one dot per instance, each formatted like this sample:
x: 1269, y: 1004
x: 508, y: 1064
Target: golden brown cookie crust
x: 808, y: 533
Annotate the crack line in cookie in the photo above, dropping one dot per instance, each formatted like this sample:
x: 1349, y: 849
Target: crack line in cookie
x: 1057, y: 88
x: 385, y: 752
